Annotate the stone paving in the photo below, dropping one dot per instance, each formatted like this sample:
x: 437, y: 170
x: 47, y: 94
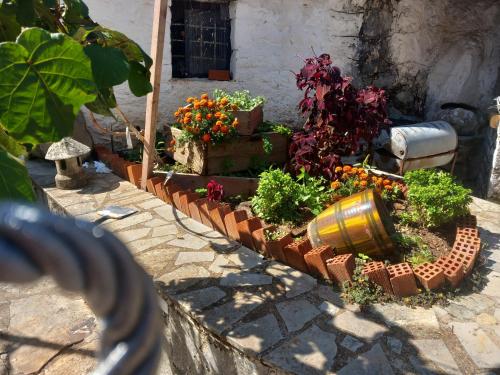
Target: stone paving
x: 265, y: 311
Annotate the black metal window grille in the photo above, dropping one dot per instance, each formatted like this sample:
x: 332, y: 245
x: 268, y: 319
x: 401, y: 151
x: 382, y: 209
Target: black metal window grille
x: 201, y: 38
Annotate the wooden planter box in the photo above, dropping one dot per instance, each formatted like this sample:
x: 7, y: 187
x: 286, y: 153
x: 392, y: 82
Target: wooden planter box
x: 249, y: 121
x: 238, y: 154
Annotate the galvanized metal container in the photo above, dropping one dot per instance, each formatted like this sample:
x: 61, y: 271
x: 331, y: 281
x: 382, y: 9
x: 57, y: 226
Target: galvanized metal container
x: 423, y: 145
x: 357, y: 224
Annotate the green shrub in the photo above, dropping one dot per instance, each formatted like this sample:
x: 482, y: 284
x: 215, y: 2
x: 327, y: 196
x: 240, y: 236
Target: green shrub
x: 279, y: 198
x: 434, y: 198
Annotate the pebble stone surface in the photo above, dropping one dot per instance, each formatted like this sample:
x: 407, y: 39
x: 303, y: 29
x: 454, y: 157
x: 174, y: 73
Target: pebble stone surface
x: 267, y: 311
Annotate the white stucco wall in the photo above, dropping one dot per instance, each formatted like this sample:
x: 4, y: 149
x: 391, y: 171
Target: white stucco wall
x: 270, y: 38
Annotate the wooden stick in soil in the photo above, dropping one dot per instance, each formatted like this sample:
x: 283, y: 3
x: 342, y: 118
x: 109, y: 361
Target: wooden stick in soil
x: 157, y: 44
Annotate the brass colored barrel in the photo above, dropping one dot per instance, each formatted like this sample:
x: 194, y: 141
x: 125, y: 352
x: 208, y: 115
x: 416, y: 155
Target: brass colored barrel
x: 357, y: 224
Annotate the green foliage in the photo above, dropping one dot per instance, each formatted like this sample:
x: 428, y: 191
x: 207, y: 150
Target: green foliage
x: 53, y: 60
x: 14, y: 180
x: 362, y: 291
x: 203, y: 192
x: 46, y: 78
x: 274, y: 235
x: 279, y: 198
x: 268, y: 126
x: 242, y: 99
x: 434, y: 198
x: 267, y: 145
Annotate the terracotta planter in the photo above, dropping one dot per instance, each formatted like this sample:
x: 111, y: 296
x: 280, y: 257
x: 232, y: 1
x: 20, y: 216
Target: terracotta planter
x: 249, y: 121
x: 161, y: 192
x: 295, y: 252
x: 275, y: 249
x: 231, y: 221
x: 219, y: 75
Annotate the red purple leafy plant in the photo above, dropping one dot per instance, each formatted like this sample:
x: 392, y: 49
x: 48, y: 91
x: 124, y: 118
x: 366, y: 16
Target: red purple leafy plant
x: 215, y: 191
x: 341, y: 119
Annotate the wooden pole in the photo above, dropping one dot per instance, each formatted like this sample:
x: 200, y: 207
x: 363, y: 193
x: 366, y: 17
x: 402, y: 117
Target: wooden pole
x: 157, y: 44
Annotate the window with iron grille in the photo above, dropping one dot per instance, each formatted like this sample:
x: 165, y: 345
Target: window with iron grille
x: 201, y: 38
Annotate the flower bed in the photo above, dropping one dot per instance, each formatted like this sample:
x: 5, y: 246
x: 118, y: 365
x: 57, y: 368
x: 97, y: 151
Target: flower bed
x: 417, y: 271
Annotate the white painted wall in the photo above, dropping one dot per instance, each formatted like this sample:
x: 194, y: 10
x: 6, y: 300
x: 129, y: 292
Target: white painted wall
x: 270, y: 38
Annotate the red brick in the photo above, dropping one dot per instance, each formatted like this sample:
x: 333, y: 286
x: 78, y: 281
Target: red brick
x: 468, y: 245
x: 231, y: 221
x: 246, y: 228
x: 150, y: 184
x: 204, y: 205
x: 295, y: 252
x: 187, y: 198
x: 468, y: 221
x: 134, y: 173
x: 275, y: 248
x: 316, y: 261
x: 430, y: 275
x: 341, y: 268
x: 259, y: 239
x: 377, y: 274
x: 469, y: 232
x: 217, y: 216
x: 161, y: 192
x: 453, y: 270
x: 402, y: 280
x: 466, y: 259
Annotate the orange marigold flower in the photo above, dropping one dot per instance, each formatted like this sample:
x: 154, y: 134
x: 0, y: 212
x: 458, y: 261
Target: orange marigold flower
x: 388, y: 187
x: 218, y: 114
x: 335, y: 185
x: 209, y: 116
x: 374, y: 179
x: 224, y: 129
x: 187, y: 120
x: 204, y: 96
x: 236, y: 123
x: 206, y: 138
x: 223, y: 117
x: 224, y: 101
x: 203, y: 103
x: 188, y: 115
x: 338, y: 169
x: 387, y: 182
x: 189, y: 100
x: 215, y: 128
x: 347, y: 168
x: 219, y: 123
x: 363, y: 183
x: 364, y: 176
x: 345, y: 176
x: 176, y: 114
x: 210, y: 104
x: 196, y: 105
x: 199, y: 117
x: 356, y: 183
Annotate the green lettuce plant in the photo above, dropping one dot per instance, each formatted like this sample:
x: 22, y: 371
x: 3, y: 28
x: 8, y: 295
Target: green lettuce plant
x: 241, y: 99
x: 434, y: 198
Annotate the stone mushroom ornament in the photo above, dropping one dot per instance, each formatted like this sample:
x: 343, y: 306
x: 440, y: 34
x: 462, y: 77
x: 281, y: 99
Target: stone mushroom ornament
x: 68, y: 154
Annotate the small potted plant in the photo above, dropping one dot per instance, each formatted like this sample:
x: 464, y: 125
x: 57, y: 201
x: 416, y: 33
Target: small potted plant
x: 246, y: 108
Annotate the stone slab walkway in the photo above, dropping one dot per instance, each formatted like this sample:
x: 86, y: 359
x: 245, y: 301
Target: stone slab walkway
x: 277, y: 318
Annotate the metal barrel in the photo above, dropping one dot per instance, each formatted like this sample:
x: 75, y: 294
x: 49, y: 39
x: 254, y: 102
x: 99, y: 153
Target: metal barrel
x: 357, y: 224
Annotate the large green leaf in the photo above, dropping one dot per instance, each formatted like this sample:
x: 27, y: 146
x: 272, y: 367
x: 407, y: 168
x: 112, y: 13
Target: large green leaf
x: 15, y: 183
x: 105, y: 100
x: 45, y: 79
x: 9, y: 27
x: 109, y: 65
x: 139, y: 79
x: 76, y: 11
x: 10, y: 145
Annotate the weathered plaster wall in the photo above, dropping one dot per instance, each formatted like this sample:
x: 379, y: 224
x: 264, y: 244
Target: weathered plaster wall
x: 269, y: 39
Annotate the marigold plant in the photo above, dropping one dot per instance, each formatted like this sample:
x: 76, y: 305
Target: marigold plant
x: 351, y: 180
x: 207, y: 120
